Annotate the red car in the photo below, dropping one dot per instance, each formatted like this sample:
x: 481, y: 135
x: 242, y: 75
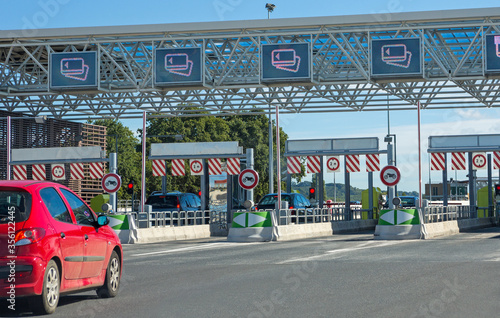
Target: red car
x: 51, y: 242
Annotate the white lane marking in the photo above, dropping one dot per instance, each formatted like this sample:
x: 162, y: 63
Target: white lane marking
x: 192, y: 248
x: 369, y: 244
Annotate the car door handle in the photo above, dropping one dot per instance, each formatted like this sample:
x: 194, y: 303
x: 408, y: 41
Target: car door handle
x: 86, y: 237
x: 63, y: 235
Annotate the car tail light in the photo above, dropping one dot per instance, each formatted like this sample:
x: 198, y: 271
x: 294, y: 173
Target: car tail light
x: 29, y: 236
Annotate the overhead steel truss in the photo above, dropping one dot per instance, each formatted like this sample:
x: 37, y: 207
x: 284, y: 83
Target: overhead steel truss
x: 453, y: 69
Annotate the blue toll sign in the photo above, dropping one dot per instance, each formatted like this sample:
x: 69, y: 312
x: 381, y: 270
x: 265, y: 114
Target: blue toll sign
x: 396, y: 57
x: 492, y: 49
x: 73, y: 70
x: 178, y: 66
x: 285, y: 62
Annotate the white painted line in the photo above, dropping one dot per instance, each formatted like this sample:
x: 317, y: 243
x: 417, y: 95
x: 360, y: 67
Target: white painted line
x: 193, y: 248
x: 369, y: 244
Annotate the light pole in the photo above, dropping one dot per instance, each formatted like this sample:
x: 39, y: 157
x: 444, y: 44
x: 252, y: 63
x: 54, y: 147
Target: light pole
x: 270, y: 7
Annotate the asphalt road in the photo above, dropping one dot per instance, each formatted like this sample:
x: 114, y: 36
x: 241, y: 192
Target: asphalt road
x: 338, y: 276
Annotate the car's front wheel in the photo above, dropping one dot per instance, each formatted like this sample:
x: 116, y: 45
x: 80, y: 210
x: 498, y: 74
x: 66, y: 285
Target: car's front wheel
x: 47, y: 302
x: 112, y: 281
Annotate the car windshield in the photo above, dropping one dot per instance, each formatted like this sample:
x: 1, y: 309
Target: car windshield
x: 15, y: 206
x: 163, y: 201
x: 271, y: 199
x: 408, y: 201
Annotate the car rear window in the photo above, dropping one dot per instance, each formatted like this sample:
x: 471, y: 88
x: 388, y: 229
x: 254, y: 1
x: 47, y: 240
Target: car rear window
x: 162, y: 201
x: 271, y: 199
x: 14, y: 206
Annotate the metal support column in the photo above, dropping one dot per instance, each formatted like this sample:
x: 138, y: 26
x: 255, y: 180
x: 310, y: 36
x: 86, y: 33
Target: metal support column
x: 347, y: 193
x: 445, y: 181
x: 229, y: 196
x: 164, y: 184
x: 370, y: 194
x: 472, y: 187
x: 321, y: 197
x: 271, y: 158
x: 113, y: 167
x: 490, y: 186
x: 288, y: 183
x: 390, y: 190
x: 205, y: 187
x: 250, y: 164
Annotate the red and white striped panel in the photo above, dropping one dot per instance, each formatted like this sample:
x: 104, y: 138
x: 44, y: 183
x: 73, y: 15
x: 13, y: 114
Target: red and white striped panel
x: 38, y: 172
x: 496, y: 159
x: 214, y: 167
x: 372, y: 162
x: 458, y: 161
x: 178, y: 167
x: 352, y: 163
x: 293, y: 165
x: 76, y: 171
x: 233, y: 166
x: 437, y: 161
x: 159, y: 169
x: 313, y: 164
x: 96, y: 170
x: 20, y: 172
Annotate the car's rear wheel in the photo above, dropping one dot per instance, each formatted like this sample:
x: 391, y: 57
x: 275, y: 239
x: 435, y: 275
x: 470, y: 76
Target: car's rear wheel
x: 47, y: 302
x: 112, y: 281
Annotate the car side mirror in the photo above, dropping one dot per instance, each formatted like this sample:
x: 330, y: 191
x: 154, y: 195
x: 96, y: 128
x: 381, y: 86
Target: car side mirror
x: 102, y: 220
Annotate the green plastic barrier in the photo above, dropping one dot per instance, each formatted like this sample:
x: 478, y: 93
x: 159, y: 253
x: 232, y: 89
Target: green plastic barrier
x: 97, y: 202
x: 119, y: 222
x: 399, y: 217
x: 252, y: 219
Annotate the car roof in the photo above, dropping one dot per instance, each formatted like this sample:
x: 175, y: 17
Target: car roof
x: 25, y: 183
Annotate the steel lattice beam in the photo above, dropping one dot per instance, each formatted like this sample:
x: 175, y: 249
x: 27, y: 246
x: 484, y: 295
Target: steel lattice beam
x: 453, y: 69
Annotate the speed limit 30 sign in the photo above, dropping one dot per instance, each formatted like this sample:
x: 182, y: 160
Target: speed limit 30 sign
x: 58, y: 172
x: 479, y: 160
x: 333, y: 164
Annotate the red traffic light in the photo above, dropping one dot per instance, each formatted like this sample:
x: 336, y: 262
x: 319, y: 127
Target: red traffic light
x: 312, y: 190
x: 199, y: 193
x: 130, y: 185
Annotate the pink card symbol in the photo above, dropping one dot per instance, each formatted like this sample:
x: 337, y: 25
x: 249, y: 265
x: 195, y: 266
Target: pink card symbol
x: 75, y: 68
x: 286, y: 60
x: 396, y: 55
x: 496, y: 38
x: 178, y: 63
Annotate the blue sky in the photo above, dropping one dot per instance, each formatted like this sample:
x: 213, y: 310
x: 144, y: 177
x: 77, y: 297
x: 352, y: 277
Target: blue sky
x: 78, y: 13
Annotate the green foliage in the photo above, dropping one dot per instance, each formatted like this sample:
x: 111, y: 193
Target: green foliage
x: 129, y: 160
x: 250, y: 131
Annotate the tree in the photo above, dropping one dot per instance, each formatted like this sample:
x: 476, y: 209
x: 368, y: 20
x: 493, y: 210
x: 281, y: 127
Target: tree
x: 129, y: 160
x: 251, y: 131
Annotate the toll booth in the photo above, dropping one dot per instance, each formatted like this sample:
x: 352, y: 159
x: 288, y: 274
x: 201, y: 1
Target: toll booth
x: 484, y: 209
x: 374, y: 207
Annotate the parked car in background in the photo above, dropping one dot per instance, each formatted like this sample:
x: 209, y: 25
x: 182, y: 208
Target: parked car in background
x: 409, y: 201
x: 60, y: 245
x: 298, y: 204
x: 173, y: 205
